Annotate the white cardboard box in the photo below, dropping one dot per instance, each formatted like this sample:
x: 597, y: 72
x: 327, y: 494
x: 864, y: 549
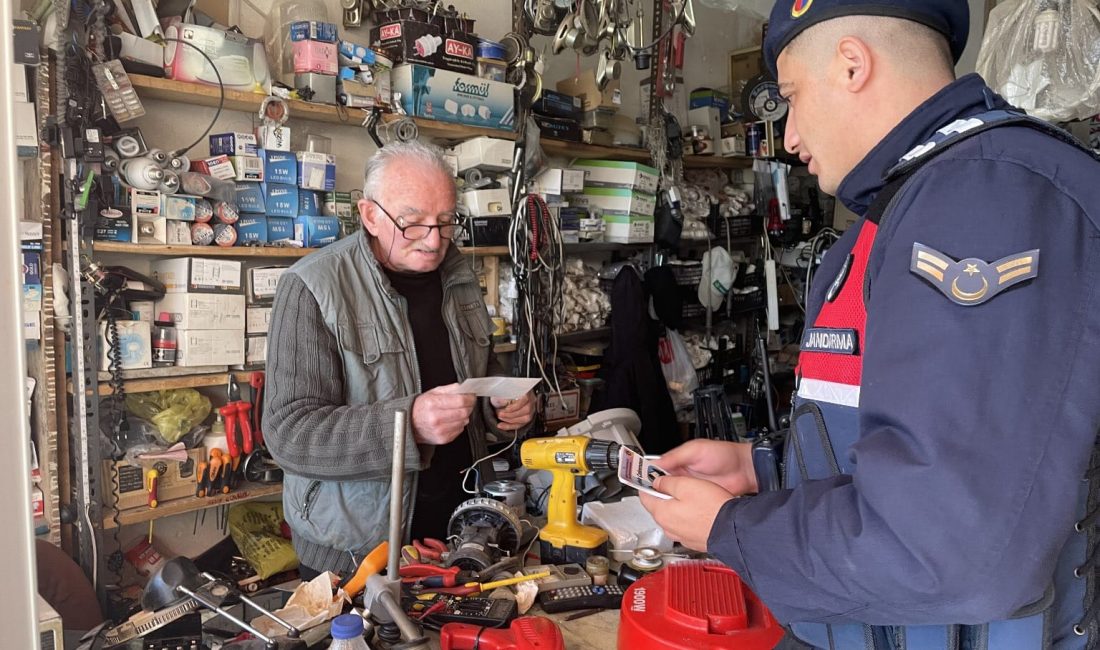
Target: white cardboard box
x: 617, y: 201
x: 257, y: 320
x: 628, y: 230
x: 32, y: 325
x: 484, y: 153
x: 135, y: 343
x: 263, y: 281
x: 210, y: 347
x: 204, y: 311
x: 620, y: 174
x: 559, y: 181
x: 486, y: 203
x: 184, y: 274
x: 255, y: 350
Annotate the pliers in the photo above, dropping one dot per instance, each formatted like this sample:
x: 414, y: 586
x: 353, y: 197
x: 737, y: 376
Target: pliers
x: 236, y: 411
x: 429, y: 575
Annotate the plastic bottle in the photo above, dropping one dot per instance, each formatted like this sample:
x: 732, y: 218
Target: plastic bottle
x: 347, y: 633
x: 164, y: 341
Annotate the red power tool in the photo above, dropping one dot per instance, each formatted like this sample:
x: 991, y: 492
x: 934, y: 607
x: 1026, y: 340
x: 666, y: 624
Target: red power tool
x: 525, y: 633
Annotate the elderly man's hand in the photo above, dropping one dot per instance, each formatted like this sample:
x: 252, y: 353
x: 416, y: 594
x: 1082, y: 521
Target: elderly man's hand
x: 440, y: 414
x: 689, y: 515
x: 514, y: 414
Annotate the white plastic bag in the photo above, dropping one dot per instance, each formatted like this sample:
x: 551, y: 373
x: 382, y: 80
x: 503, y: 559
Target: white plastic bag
x: 1044, y: 57
x: 676, y: 366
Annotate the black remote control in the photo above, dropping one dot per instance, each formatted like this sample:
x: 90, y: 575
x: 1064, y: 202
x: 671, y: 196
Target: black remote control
x: 583, y: 597
x: 483, y: 612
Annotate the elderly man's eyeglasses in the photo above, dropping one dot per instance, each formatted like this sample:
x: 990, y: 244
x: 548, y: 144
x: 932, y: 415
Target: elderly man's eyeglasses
x: 450, y: 225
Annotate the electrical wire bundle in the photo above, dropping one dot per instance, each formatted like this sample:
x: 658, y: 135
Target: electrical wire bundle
x: 535, y: 244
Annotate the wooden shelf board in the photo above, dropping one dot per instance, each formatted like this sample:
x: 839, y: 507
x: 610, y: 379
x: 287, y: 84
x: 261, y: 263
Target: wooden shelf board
x: 504, y: 347
x: 601, y: 247
x: 567, y: 149
x: 243, y: 251
x: 235, y: 100
x: 245, y: 492
x: 584, y: 335
x: 705, y: 162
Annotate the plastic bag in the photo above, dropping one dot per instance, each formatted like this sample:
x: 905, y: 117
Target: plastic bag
x: 1044, y: 57
x: 174, y: 412
x: 677, y: 368
x: 255, y: 528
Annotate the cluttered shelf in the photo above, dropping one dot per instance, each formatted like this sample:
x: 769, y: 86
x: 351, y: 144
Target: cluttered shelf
x: 235, y: 100
x: 245, y: 492
x: 243, y: 251
x: 567, y: 149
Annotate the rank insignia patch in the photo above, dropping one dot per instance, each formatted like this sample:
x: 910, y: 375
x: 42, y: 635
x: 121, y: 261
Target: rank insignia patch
x: 971, y: 281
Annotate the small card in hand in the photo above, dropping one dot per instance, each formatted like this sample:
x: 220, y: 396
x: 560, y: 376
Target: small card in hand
x: 636, y: 471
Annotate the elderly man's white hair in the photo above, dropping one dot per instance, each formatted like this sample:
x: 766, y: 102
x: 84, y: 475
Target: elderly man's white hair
x: 413, y: 150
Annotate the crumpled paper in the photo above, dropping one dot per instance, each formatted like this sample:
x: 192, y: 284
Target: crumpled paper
x: 312, y: 603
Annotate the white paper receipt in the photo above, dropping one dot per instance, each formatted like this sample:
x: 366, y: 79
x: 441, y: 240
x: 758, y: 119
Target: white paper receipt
x: 636, y: 471
x: 502, y: 387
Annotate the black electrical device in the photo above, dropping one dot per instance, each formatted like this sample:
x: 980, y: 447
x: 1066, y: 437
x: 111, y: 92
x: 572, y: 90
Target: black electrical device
x: 92, y: 145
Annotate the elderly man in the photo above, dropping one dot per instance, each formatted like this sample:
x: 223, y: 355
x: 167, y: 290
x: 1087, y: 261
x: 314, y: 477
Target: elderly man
x: 939, y: 491
x: 389, y: 319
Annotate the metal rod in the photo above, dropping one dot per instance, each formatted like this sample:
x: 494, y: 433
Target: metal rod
x: 762, y: 350
x: 292, y: 631
x: 213, y: 606
x: 408, y: 630
x: 397, y: 488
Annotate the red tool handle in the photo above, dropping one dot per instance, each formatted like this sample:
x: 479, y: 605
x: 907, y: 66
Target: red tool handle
x: 257, y: 382
x: 229, y: 414
x: 246, y: 426
x: 525, y: 633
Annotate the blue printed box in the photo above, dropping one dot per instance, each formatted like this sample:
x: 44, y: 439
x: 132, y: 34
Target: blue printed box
x: 279, y: 167
x: 250, y: 198
x: 251, y: 229
x: 32, y: 268
x: 280, y: 229
x: 316, y: 171
x: 315, y: 232
x: 313, y: 30
x: 233, y: 144
x: 281, y: 200
x: 310, y: 203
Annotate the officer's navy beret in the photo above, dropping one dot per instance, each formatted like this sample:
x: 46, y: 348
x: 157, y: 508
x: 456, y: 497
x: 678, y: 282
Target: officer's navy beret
x: 790, y: 17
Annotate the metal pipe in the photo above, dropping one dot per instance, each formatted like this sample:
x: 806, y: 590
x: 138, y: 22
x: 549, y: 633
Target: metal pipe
x: 292, y: 631
x: 408, y: 630
x: 214, y: 606
x: 762, y: 350
x: 397, y: 488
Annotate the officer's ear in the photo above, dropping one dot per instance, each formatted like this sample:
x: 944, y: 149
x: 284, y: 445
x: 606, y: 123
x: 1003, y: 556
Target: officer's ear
x: 856, y: 61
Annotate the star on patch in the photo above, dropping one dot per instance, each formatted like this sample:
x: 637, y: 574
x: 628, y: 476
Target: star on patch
x: 971, y: 281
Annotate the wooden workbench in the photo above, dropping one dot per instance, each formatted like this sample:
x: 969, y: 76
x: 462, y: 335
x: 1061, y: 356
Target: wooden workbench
x: 599, y: 631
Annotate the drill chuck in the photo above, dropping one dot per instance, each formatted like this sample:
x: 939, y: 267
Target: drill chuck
x: 601, y: 455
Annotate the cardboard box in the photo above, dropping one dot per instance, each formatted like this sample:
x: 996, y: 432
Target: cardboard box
x: 247, y: 168
x: 250, y: 198
x: 558, y: 181
x: 30, y: 235
x: 316, y: 57
x: 315, y: 232
x: 486, y: 153
x: 176, y: 480
x: 187, y: 274
x: 32, y: 297
x: 280, y: 200
x: 251, y: 229
x: 32, y: 325
x: 617, y: 201
x: 210, y: 347
x: 179, y: 206
x: 310, y: 203
x: 584, y: 86
x: 630, y: 229
x: 148, y: 229
x: 280, y: 229
x: 257, y: 320
x: 280, y: 167
x: 313, y: 30
x: 263, y: 282
x: 233, y: 144
x: 145, y: 202
x: 321, y: 86
x: 459, y: 53
x: 204, y: 311
x: 618, y: 174
x: 32, y: 268
x: 424, y: 43
x: 457, y: 98
x: 709, y: 117
x: 316, y: 171
x: 733, y: 146
x: 339, y: 204
x: 555, y: 104
x: 26, y: 129
x: 255, y: 350
x: 217, y: 166
x: 177, y: 233
x: 704, y: 97
x: 19, y: 82
x: 135, y: 343
x: 273, y: 138
x: 558, y: 128
x: 108, y: 229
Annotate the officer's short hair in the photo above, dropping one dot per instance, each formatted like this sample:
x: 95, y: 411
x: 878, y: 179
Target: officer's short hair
x: 413, y: 150
x: 917, y: 46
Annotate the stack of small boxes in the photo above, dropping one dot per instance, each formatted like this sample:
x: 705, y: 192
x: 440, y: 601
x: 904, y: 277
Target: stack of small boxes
x: 315, y: 61
x: 624, y: 194
x: 599, y: 107
x: 262, y: 283
x: 556, y: 185
x: 204, y: 299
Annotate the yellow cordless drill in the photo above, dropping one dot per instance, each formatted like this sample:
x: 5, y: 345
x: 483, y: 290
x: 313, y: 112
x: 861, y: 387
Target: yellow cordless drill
x: 563, y: 540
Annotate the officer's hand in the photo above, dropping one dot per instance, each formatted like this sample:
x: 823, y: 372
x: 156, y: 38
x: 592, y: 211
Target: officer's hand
x: 516, y: 413
x: 689, y: 515
x: 439, y: 415
x: 728, y: 464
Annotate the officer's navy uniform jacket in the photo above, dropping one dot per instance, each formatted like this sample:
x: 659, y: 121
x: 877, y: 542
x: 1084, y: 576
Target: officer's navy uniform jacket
x: 948, y: 402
